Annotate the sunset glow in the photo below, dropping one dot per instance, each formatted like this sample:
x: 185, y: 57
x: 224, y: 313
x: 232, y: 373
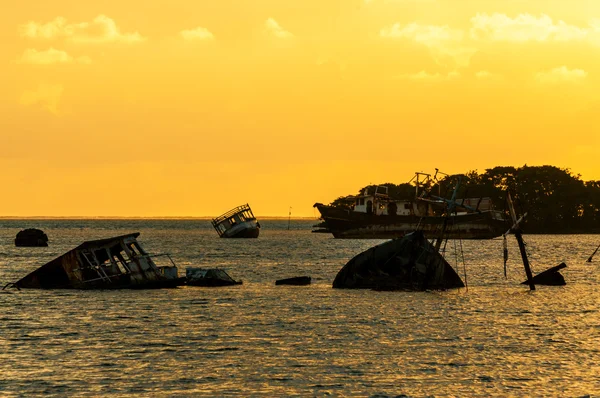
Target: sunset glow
x: 189, y: 108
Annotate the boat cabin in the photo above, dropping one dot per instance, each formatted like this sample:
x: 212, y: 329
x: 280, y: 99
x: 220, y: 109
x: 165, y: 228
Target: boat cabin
x: 114, y: 263
x: 238, y: 222
x: 379, y: 203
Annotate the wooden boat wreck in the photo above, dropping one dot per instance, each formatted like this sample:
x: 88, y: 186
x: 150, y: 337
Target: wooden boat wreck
x: 31, y: 237
x: 113, y: 263
x: 237, y: 223
x: 209, y: 277
x: 551, y: 276
x: 374, y: 215
x: 408, y: 263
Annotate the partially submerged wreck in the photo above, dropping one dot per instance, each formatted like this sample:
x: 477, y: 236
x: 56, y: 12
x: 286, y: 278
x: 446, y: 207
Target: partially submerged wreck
x: 31, y: 237
x: 408, y: 263
x: 209, y: 277
x: 551, y: 276
x: 237, y: 223
x: 113, y: 263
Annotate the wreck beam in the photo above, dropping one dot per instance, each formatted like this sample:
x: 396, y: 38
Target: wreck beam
x: 519, y: 236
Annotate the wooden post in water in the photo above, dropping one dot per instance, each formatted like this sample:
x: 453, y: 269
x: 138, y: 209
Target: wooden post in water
x: 589, y: 260
x: 518, y: 234
x: 289, y: 218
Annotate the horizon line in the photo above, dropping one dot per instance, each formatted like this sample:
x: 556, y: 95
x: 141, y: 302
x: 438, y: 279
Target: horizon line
x: 141, y: 217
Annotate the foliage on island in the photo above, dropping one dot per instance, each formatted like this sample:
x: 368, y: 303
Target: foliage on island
x: 555, y: 199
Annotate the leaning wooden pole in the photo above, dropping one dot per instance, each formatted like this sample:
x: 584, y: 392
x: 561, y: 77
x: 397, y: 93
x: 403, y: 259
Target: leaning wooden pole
x: 589, y: 260
x: 523, y: 251
x: 518, y: 234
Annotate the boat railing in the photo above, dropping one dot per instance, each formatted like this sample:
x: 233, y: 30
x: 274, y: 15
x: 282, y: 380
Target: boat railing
x: 224, y: 216
x: 126, y: 263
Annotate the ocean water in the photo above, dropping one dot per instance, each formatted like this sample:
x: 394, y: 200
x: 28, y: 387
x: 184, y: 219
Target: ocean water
x: 494, y: 338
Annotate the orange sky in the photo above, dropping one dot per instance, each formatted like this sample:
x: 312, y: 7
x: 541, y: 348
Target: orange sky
x: 189, y: 108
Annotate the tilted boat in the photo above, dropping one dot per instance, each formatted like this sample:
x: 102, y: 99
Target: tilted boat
x: 408, y: 263
x: 114, y: 263
x: 237, y: 223
x: 374, y: 215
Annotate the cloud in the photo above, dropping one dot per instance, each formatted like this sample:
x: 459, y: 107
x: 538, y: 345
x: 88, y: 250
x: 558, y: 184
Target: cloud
x: 273, y: 28
x: 198, y: 33
x: 484, y: 74
x: 46, y: 95
x: 49, y: 57
x: 429, y: 35
x: 561, y: 75
x: 444, y: 42
x: 101, y: 29
x: 524, y: 27
x: 424, y: 76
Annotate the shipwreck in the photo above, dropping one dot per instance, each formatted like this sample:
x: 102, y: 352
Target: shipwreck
x: 375, y: 215
x: 31, y: 237
x: 238, y: 222
x: 408, y: 263
x: 113, y: 263
x: 209, y: 277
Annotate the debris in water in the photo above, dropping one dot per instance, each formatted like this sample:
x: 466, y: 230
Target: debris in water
x: 31, y: 237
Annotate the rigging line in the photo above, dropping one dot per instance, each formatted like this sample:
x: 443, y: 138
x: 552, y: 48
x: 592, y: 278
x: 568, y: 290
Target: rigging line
x: 505, y: 253
x: 462, y: 254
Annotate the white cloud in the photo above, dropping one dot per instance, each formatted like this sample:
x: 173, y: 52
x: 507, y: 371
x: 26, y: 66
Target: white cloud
x: 101, y: 29
x: 483, y: 74
x: 46, y: 95
x: 198, y: 33
x: 444, y: 42
x: 524, y: 27
x: 429, y: 35
x: 561, y: 75
x: 49, y: 57
x: 273, y: 28
x: 429, y: 77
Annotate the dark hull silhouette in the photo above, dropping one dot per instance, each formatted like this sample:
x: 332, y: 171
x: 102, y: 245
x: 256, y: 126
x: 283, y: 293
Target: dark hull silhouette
x: 409, y: 263
x: 344, y: 223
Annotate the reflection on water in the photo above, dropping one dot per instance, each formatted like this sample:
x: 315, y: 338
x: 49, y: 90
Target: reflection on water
x: 493, y: 339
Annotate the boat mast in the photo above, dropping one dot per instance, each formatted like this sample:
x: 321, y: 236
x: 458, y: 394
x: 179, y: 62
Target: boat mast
x: 451, y: 205
x: 516, y: 230
x: 418, y: 183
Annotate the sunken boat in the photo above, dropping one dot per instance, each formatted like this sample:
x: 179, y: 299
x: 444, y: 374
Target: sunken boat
x: 238, y: 222
x: 209, y: 277
x: 409, y: 263
x: 31, y: 237
x: 113, y: 263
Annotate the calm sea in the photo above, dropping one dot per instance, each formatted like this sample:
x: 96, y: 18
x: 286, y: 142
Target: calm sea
x: 494, y: 338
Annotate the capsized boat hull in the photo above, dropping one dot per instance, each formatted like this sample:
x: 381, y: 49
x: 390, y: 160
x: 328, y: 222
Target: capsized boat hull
x: 409, y: 263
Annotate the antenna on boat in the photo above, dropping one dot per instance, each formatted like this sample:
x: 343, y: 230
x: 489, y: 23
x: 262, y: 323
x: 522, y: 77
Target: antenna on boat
x: 289, y: 217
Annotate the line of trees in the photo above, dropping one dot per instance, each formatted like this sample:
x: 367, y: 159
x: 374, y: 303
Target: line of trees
x: 555, y: 199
